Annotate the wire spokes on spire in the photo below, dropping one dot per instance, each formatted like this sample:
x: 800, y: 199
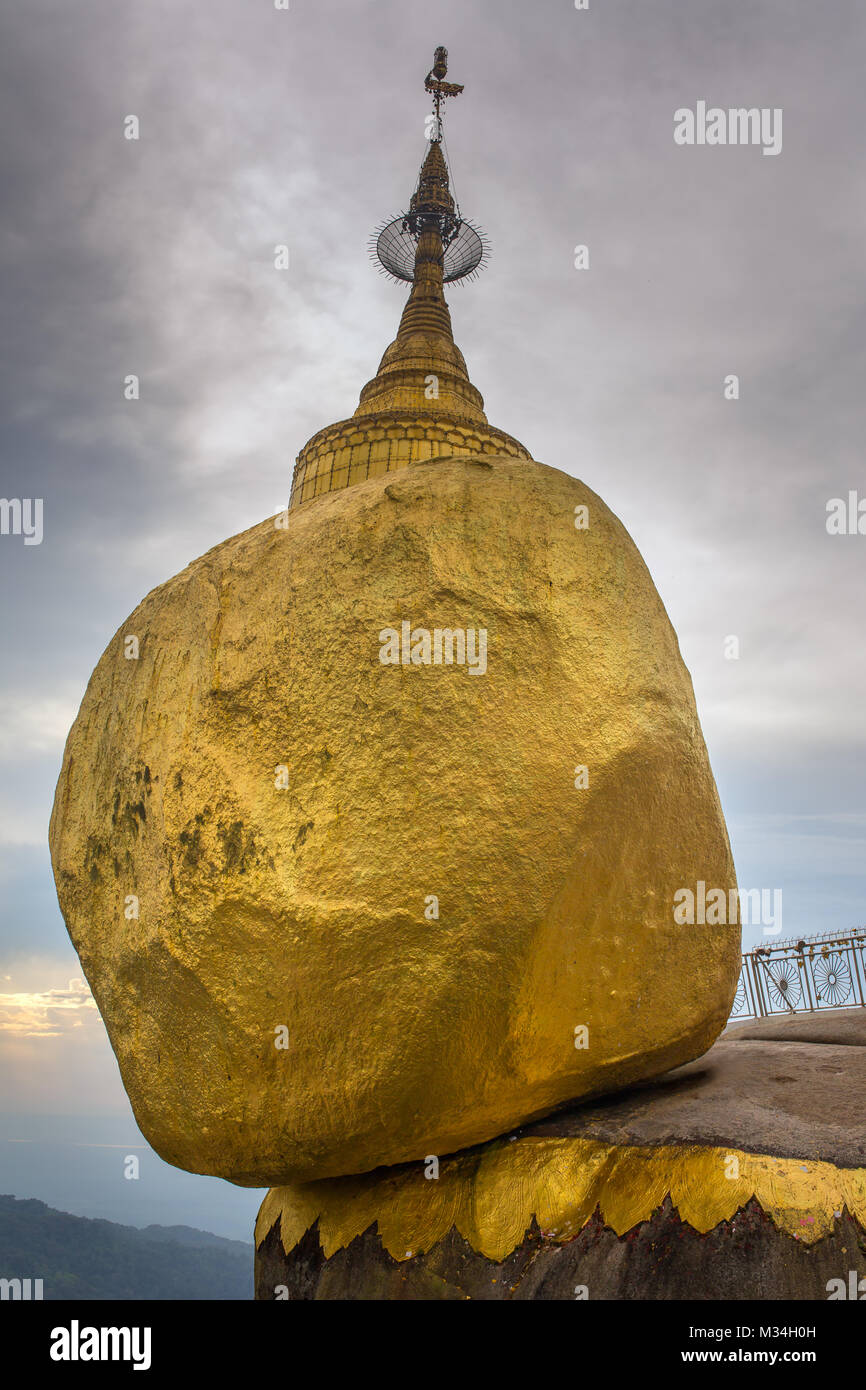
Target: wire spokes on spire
x: 462, y: 247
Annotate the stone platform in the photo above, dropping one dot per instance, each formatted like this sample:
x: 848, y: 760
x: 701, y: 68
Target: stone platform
x: 741, y: 1175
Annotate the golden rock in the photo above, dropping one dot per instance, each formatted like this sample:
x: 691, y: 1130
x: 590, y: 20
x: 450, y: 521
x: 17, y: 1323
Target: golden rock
x: 338, y: 913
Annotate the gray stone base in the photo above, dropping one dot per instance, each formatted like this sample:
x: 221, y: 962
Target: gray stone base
x: 746, y: 1258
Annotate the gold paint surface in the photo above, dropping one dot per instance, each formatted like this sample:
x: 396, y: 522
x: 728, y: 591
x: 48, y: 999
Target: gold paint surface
x: 492, y: 1197
x: 304, y: 907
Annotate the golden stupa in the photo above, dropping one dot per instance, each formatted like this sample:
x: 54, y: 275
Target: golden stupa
x: 421, y: 404
x: 369, y: 843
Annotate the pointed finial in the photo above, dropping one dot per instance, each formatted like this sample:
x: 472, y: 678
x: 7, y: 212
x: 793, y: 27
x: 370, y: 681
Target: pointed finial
x: 434, y: 83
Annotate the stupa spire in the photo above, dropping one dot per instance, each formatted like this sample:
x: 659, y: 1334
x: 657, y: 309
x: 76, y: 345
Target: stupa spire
x: 432, y: 218
x: 423, y: 369
x: 420, y: 404
x: 426, y: 310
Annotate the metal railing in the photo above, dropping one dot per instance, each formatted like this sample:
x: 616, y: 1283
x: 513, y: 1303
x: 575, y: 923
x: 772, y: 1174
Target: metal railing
x: 802, y: 975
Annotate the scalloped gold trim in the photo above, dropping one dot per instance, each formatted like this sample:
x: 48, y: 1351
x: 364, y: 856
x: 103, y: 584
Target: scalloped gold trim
x: 491, y: 1195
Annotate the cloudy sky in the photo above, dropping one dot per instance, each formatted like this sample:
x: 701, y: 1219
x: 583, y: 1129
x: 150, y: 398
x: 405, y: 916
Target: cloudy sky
x: 305, y: 126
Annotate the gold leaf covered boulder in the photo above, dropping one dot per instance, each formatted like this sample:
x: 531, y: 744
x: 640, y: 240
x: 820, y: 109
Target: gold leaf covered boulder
x: 396, y: 953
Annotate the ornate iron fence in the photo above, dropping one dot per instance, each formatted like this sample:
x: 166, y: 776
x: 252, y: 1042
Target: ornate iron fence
x: 802, y: 975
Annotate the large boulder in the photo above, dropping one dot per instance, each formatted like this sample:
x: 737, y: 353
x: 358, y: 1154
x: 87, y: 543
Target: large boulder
x: 338, y: 912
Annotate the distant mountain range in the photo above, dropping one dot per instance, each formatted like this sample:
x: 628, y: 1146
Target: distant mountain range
x: 79, y: 1164
x: 76, y: 1257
